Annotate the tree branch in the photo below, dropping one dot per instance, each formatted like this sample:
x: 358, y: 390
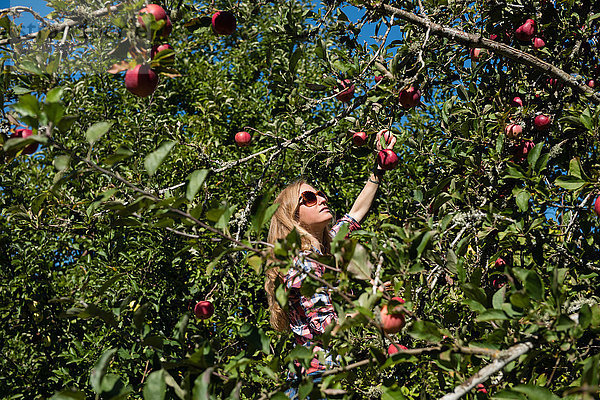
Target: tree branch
x: 504, y: 358
x: 470, y: 39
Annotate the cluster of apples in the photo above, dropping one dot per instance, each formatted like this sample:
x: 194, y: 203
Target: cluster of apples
x: 142, y: 80
x: 386, y: 158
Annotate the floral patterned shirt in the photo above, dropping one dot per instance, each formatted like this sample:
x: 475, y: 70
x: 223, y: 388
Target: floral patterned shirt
x: 310, y: 316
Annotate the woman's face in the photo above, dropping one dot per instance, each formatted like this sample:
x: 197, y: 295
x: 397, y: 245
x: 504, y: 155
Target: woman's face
x: 316, y: 217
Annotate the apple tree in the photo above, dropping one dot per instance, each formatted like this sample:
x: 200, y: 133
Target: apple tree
x: 134, y: 213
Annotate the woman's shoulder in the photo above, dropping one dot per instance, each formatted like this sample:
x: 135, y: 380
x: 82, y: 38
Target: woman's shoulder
x: 347, y: 219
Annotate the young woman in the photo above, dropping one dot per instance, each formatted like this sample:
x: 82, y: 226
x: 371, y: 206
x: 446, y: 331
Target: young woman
x: 304, y: 208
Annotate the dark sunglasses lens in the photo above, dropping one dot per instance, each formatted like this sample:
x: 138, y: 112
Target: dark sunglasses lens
x: 310, y: 198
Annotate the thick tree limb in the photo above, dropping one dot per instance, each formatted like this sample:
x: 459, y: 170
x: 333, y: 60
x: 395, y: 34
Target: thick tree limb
x: 504, y: 358
x: 475, y: 40
x: 59, y: 27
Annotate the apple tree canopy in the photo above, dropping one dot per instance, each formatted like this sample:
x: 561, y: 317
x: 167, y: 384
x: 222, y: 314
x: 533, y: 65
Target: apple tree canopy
x: 135, y: 208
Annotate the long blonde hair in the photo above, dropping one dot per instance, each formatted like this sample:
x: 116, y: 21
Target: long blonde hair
x: 284, y: 220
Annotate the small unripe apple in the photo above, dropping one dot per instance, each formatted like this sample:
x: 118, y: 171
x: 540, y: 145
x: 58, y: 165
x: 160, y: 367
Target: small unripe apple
x: 359, y: 138
x: 475, y: 52
x: 522, y: 150
x: 513, y: 130
x: 394, y: 348
x: 141, y: 80
x: 159, y: 15
x: 387, y: 159
x: 517, y: 102
x: 542, y: 122
x: 223, y: 23
x: 243, y: 139
x: 538, y: 43
x: 392, y: 322
x: 346, y: 95
x: 409, y: 98
x: 597, y: 206
x: 22, y: 133
x: 526, y: 31
x: 204, y: 309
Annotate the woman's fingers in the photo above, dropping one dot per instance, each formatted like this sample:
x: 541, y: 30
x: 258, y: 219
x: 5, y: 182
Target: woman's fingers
x: 388, y: 137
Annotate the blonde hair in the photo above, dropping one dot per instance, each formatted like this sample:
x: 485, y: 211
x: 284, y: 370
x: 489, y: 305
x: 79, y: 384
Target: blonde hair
x: 284, y: 220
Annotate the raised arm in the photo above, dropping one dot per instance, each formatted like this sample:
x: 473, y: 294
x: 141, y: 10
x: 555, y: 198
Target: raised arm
x: 363, y: 202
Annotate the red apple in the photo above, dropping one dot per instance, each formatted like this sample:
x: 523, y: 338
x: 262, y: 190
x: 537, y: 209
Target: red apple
x: 156, y: 49
x: 542, y: 122
x: 141, y: 80
x: 591, y: 83
x: 513, y: 130
x: 517, y: 102
x: 597, y: 206
x: 522, y: 150
x: 475, y: 54
x: 223, y: 23
x: 526, y: 31
x: 346, y: 95
x: 378, y: 78
x: 359, y: 138
x: 24, y: 134
x: 204, y: 309
x: 394, y: 348
x: 387, y: 159
x: 538, y: 43
x: 499, y: 263
x: 394, y: 321
x: 159, y: 15
x: 243, y: 139
x: 409, y: 98
x: 493, y: 36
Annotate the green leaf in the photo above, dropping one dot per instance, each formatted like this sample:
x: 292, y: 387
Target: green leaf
x: 535, y: 392
x: 27, y: 106
x: 491, y: 315
x: 534, y: 154
x: 68, y: 395
x: 570, y: 182
x: 523, y: 200
x: 155, y: 159
x: 54, y: 95
x: 97, y: 130
x: 294, y: 59
x: 534, y: 285
x: 99, y: 370
x: 200, y: 391
x: 122, y: 153
x: 359, y: 265
x: 61, y: 162
x: 424, y: 330
x: 155, y: 387
x: 196, y: 180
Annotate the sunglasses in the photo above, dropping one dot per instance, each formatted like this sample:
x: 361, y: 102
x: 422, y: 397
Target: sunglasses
x: 309, y: 198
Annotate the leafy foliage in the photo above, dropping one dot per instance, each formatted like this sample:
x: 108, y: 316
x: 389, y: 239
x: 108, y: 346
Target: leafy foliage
x: 135, y: 209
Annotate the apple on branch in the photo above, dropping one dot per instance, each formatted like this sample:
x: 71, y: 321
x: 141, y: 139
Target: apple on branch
x: 542, y: 122
x: 525, y: 32
x: 141, y: 80
x: 410, y: 98
x: 359, y: 138
x: 392, y: 320
x: 204, y: 309
x: 223, y: 23
x: 513, y: 130
x: 243, y: 139
x: 347, y: 91
x: 22, y: 133
x: 159, y: 14
x: 387, y: 159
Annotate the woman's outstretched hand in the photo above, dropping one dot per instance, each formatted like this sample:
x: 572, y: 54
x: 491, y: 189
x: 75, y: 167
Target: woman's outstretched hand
x: 388, y: 137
